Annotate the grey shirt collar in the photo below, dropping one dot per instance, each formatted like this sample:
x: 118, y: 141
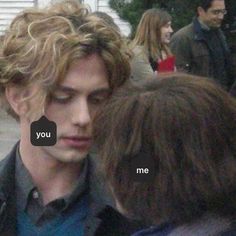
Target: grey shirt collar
x: 25, y: 185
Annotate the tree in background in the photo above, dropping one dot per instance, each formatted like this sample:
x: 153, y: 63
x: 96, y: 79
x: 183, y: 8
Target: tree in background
x: 182, y: 11
x: 230, y: 23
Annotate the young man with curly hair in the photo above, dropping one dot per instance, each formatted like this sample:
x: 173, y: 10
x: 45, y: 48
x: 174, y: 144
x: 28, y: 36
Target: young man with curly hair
x: 61, y: 63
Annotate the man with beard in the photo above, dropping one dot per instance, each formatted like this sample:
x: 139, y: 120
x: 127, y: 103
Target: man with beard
x: 200, y: 47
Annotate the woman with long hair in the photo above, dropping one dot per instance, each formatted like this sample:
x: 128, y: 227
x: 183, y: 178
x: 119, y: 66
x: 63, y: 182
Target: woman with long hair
x: 150, y: 44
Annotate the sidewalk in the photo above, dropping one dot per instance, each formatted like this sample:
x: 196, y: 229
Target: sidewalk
x: 9, y: 133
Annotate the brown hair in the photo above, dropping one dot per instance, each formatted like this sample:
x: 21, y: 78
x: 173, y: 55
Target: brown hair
x: 41, y: 44
x: 205, y: 4
x: 148, y: 33
x: 187, y: 125
x: 107, y: 18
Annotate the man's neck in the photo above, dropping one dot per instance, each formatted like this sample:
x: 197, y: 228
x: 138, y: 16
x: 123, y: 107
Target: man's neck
x: 53, y: 178
x: 203, y: 25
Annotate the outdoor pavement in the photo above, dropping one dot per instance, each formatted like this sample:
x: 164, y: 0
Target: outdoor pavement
x: 9, y: 133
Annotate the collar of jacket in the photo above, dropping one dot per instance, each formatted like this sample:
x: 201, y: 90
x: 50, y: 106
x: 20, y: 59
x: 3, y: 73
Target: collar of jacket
x: 198, y: 35
x: 98, y: 193
x: 7, y: 194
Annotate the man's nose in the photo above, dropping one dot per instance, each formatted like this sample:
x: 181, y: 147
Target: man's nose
x: 171, y: 30
x: 81, y: 114
x: 221, y: 16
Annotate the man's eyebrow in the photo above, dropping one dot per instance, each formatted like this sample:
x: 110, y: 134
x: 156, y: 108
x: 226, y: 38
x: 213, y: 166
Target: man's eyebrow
x: 65, y: 89
x: 99, y: 91
x: 72, y: 90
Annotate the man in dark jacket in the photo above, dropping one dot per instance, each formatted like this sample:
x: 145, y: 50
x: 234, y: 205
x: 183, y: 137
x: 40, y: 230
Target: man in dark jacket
x: 200, y: 47
x: 57, y: 67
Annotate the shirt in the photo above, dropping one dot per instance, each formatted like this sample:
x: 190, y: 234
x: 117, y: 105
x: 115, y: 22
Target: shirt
x: 30, y: 200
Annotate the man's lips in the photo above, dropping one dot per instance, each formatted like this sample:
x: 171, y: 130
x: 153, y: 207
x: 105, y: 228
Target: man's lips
x: 80, y: 142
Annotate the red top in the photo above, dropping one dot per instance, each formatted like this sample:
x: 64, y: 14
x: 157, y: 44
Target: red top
x: 166, y: 65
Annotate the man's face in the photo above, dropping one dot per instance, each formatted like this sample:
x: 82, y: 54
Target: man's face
x: 214, y: 15
x: 73, y: 106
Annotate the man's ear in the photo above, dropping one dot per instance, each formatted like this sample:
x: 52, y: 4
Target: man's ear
x: 200, y: 11
x: 15, y: 96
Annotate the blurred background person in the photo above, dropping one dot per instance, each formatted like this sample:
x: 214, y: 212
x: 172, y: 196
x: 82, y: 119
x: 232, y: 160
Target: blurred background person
x: 150, y: 44
x: 201, y: 48
x: 182, y: 128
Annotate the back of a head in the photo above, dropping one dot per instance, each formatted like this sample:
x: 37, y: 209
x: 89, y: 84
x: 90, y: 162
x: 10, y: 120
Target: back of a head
x: 41, y: 44
x: 188, y: 124
x: 107, y: 18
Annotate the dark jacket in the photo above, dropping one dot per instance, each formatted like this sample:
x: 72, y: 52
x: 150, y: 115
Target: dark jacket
x: 233, y: 89
x: 192, y: 52
x: 208, y: 225
x: 103, y: 219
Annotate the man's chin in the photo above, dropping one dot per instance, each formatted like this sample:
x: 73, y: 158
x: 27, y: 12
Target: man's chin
x: 74, y: 160
x: 217, y: 25
x: 72, y: 157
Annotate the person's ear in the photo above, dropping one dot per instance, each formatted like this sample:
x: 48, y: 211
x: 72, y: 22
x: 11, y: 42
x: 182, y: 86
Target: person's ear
x: 200, y: 11
x: 15, y: 96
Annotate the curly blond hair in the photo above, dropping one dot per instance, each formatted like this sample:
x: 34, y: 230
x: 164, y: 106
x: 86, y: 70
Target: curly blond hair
x: 41, y: 44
